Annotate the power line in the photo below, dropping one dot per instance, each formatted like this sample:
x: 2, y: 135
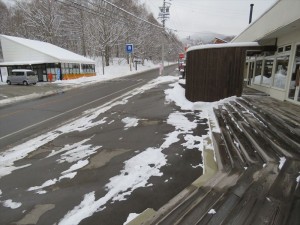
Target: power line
x: 130, y: 14
x: 101, y: 14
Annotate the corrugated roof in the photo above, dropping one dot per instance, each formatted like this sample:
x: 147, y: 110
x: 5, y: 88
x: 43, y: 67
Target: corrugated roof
x: 62, y: 55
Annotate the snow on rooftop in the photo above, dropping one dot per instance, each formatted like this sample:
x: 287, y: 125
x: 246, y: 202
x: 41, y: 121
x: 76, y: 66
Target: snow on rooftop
x: 225, y: 45
x: 62, y: 55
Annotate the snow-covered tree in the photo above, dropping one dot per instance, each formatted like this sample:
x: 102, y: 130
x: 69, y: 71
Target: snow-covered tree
x: 89, y: 27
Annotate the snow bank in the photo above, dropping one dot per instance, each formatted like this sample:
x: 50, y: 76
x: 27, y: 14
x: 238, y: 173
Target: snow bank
x: 177, y: 95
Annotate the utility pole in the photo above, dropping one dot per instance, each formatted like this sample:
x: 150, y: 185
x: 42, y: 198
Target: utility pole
x: 164, y: 14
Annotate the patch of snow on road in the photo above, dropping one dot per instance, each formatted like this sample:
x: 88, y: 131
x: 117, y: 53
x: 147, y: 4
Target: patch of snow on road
x: 78, y: 153
x: 193, y: 142
x: 75, y: 152
x: 131, y: 217
x: 87, y: 121
x: 80, y: 164
x: 130, y: 122
x: 212, y: 211
x: 298, y: 179
x: 281, y: 162
x: 10, y: 204
x: 181, y: 122
x: 138, y: 170
x: 136, y: 173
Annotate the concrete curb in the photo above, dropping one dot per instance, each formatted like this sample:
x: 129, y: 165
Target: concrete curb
x: 32, y: 96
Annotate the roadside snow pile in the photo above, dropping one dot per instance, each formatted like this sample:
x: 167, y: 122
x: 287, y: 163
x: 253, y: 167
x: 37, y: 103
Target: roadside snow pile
x: 177, y: 95
x: 118, y: 68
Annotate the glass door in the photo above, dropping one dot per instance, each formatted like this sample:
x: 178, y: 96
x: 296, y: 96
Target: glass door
x: 294, y: 92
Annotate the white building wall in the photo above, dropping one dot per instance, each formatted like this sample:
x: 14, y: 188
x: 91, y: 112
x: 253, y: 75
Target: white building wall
x: 13, y: 51
x: 284, y: 12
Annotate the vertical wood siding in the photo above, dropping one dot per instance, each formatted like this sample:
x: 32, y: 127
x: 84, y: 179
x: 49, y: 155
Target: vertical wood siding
x: 214, y: 74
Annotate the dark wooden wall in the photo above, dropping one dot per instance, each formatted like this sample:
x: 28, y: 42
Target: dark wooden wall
x: 215, y: 73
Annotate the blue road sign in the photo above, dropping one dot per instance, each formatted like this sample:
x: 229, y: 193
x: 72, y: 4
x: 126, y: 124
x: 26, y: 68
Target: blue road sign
x: 129, y: 48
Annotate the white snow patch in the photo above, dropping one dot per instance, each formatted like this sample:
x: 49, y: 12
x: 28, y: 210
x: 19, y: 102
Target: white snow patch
x: 281, y: 163
x: 68, y: 176
x: 78, y: 153
x: 177, y: 95
x: 10, y: 204
x: 178, y: 120
x: 130, y: 122
x: 45, y: 184
x: 212, y: 211
x: 131, y: 217
x: 191, y: 141
x: 225, y: 45
x: 136, y: 173
x: 80, y: 164
x: 75, y: 152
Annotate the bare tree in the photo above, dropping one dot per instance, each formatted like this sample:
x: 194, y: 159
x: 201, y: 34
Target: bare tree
x: 89, y: 27
x: 42, y: 19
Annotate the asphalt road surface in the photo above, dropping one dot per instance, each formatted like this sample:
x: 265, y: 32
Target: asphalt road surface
x: 79, y: 174
x: 31, y: 117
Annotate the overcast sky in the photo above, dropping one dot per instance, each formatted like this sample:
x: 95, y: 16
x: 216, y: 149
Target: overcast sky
x: 227, y: 17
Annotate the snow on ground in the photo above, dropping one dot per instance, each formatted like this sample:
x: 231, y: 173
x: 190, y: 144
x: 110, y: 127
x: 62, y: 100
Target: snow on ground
x: 85, y: 122
x: 177, y: 95
x: 131, y: 217
x: 77, y: 153
x: 281, y: 162
x: 10, y: 204
x: 136, y: 171
x: 130, y: 122
x: 118, y: 68
x: 212, y: 211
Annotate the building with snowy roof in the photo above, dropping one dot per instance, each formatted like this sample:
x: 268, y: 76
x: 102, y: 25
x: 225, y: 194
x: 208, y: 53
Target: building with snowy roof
x: 43, y: 58
x: 277, y: 72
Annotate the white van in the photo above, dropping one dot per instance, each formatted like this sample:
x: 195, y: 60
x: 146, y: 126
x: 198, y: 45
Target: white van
x: 22, y: 76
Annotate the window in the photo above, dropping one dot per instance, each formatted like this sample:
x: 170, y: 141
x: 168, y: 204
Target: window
x: 280, y: 49
x: 281, y: 71
x: 88, y: 68
x: 295, y: 78
x: 288, y: 48
x: 267, y: 71
x: 257, y: 72
x: 31, y: 74
x: 18, y: 73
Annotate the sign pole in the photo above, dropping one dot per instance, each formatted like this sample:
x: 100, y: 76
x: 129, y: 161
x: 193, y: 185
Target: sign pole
x: 130, y: 61
x: 129, y: 50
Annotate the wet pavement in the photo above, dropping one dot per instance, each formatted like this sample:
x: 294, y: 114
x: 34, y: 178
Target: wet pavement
x: 258, y: 157
x: 96, y: 166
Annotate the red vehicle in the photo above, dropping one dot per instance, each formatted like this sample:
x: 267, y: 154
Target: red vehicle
x: 181, y: 67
